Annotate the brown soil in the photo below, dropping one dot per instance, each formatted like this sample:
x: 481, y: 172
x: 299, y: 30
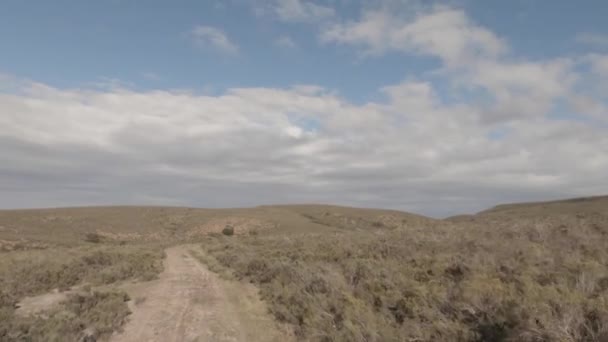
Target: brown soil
x: 190, y: 303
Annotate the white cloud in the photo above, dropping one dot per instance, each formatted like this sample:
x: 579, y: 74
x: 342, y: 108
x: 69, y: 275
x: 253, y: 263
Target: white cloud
x: 150, y: 76
x: 472, y: 57
x: 443, y: 32
x: 285, y: 42
x: 208, y: 37
x: 587, y: 105
x: 260, y: 145
x: 522, y: 89
x: 248, y: 146
x: 599, y: 63
x: 593, y: 39
x: 295, y: 11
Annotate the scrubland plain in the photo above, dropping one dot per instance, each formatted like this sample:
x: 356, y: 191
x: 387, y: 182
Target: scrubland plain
x: 520, y: 272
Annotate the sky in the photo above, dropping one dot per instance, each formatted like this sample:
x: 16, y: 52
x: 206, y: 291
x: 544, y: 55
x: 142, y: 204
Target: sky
x: 433, y: 107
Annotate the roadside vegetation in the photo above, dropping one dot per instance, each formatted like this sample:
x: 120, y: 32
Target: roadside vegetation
x: 83, y: 269
x: 542, y: 278
x: 88, y: 314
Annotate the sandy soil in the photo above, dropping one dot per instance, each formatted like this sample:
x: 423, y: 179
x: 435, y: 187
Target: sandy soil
x: 37, y: 305
x: 190, y: 303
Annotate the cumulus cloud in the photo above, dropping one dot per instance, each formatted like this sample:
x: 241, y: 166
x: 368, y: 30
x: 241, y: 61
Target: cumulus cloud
x: 295, y: 11
x: 208, y: 37
x: 285, y: 42
x: 532, y: 130
x: 266, y: 145
x: 522, y: 89
x: 471, y: 56
x: 443, y: 32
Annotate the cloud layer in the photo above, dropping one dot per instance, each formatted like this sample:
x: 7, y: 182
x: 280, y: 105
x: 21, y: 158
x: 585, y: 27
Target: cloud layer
x: 208, y: 37
x: 294, y: 11
x: 515, y: 129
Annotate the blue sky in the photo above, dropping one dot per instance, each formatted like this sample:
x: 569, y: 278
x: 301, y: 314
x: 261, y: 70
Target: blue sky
x: 356, y: 83
x: 70, y: 43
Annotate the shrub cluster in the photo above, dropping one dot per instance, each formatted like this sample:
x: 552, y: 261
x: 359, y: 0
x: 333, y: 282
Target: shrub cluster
x: 97, y: 314
x: 542, y: 279
x: 29, y: 273
x: 228, y: 231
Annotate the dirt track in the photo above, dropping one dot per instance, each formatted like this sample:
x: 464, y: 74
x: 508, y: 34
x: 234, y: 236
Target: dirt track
x: 190, y: 303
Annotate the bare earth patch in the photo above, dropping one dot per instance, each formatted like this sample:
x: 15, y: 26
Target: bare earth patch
x: 190, y: 303
x: 14, y: 245
x: 39, y: 304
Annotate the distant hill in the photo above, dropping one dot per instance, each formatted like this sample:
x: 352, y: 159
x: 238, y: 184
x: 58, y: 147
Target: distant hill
x: 132, y: 223
x: 597, y: 204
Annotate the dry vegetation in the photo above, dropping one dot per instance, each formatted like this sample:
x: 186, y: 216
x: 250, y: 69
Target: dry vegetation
x: 25, y: 273
x: 525, y: 272
x: 498, y: 276
x: 69, y: 226
x: 92, y: 314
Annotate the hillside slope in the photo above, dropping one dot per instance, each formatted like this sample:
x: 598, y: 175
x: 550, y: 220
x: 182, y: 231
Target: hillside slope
x: 580, y: 205
x: 517, y: 273
x: 68, y: 225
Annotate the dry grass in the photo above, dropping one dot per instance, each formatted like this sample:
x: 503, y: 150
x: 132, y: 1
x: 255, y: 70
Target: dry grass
x: 95, y: 313
x: 492, y: 278
x: 530, y: 272
x: 27, y: 273
x: 69, y: 226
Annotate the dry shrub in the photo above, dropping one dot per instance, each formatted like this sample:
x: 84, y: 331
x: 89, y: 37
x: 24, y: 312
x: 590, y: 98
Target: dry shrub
x: 98, y: 312
x: 36, y: 272
x: 32, y: 274
x: 228, y: 231
x: 92, y: 238
x: 522, y: 280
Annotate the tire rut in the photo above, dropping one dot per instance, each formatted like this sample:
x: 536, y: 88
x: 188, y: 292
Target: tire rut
x: 189, y: 303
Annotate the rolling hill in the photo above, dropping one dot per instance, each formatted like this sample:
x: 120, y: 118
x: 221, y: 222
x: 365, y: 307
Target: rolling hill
x: 516, y: 272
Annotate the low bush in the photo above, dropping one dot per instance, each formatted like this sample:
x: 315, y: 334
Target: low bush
x: 29, y: 273
x: 92, y: 238
x: 525, y: 281
x: 228, y: 231
x: 97, y: 314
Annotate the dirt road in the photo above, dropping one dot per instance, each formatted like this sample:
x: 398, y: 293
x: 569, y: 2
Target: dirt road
x: 190, y: 303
